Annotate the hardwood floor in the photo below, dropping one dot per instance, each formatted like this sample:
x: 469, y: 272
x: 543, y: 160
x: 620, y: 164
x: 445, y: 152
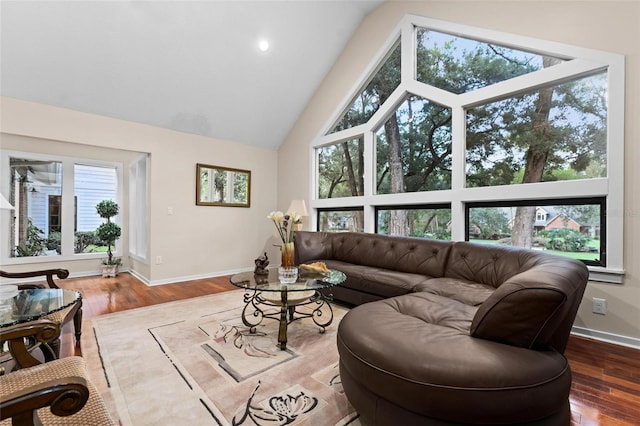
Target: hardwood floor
x: 606, y: 377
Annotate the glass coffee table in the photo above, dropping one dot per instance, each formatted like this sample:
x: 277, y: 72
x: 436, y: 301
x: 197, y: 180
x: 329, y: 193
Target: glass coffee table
x: 264, y: 291
x: 24, y: 306
x: 31, y: 304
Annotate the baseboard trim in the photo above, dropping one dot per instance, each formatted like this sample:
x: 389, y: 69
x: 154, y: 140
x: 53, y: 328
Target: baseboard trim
x: 151, y: 283
x: 139, y: 277
x: 178, y: 280
x: 604, y: 336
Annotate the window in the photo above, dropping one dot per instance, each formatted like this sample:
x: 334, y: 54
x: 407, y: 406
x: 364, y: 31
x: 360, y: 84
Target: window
x: 573, y: 228
x: 35, y: 188
x: 413, y: 148
x: 341, y: 167
x: 340, y: 220
x: 483, y: 131
x: 92, y: 184
x: 377, y: 91
x: 413, y: 221
x: 54, y: 200
x: 138, y: 223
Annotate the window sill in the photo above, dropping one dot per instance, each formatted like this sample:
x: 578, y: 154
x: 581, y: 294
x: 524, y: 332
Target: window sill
x: 604, y: 275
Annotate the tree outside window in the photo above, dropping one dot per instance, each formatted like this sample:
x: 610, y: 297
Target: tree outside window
x: 479, y: 117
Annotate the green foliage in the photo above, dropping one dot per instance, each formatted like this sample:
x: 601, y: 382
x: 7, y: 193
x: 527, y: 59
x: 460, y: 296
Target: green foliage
x: 108, y: 232
x: 85, y: 239
x: 491, y: 222
x: 107, y: 209
x: 566, y: 240
x: 423, y: 223
x: 35, y: 243
x: 382, y: 84
x: 501, y: 134
x: 424, y: 141
x: 341, y: 169
x: 54, y: 241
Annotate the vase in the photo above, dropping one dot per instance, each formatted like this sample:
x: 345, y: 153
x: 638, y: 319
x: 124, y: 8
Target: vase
x: 288, y: 255
x: 288, y: 272
x: 288, y: 275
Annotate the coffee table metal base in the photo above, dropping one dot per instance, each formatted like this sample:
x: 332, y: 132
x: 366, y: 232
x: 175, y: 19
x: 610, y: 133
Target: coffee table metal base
x: 317, y: 306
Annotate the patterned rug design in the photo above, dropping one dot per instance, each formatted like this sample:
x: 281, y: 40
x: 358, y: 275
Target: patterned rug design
x: 194, y: 362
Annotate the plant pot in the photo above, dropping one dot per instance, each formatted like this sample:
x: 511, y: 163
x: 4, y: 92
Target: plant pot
x: 109, y: 271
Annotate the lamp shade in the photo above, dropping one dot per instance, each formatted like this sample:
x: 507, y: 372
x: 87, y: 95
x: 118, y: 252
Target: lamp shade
x: 299, y: 207
x: 4, y: 204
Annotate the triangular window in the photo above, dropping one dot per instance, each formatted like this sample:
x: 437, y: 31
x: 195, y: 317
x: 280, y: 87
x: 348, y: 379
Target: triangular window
x: 369, y: 100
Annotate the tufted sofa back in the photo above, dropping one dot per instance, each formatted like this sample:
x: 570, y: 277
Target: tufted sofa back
x: 403, y: 254
x: 488, y: 264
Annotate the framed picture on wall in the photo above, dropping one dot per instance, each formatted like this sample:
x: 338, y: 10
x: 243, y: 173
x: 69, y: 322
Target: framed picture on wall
x: 222, y: 186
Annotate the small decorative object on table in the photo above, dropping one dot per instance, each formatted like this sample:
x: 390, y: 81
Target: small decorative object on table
x: 261, y: 265
x: 284, y: 222
x: 316, y: 268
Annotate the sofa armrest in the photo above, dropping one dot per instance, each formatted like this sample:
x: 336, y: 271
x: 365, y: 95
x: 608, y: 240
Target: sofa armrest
x: 535, y: 308
x: 517, y: 315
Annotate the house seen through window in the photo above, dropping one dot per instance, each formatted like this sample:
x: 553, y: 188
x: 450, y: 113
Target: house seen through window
x: 41, y: 201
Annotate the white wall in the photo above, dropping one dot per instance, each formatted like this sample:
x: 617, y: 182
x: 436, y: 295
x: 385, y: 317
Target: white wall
x: 195, y: 241
x: 603, y: 25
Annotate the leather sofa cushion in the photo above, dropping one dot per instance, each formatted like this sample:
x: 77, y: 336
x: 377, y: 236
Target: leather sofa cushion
x: 381, y: 282
x: 468, y: 292
x: 456, y: 378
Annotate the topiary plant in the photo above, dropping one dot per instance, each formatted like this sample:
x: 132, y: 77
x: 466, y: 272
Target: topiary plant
x: 109, y: 232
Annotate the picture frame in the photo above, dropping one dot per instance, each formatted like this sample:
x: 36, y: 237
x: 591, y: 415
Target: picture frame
x: 222, y: 186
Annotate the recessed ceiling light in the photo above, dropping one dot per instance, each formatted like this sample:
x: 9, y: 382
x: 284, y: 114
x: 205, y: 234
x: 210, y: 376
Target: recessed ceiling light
x: 263, y: 45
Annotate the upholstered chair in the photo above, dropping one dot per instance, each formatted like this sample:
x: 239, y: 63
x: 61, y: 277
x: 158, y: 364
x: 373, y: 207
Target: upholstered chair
x: 58, y: 392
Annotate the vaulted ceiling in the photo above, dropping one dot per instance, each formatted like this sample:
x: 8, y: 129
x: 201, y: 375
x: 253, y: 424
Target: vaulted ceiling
x: 191, y: 66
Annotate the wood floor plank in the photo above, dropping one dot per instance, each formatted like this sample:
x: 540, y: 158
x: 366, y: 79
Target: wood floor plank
x: 606, y: 377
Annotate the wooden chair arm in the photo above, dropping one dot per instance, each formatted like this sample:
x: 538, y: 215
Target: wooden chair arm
x: 42, y: 331
x: 30, y: 286
x: 49, y: 273
x: 65, y: 396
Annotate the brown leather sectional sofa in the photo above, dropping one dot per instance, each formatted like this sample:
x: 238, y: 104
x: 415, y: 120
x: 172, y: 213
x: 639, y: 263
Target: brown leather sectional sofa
x: 456, y: 334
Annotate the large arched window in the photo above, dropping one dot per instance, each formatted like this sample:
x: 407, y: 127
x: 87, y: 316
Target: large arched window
x: 467, y: 134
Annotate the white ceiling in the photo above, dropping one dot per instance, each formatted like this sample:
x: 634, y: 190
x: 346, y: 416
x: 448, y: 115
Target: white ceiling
x: 192, y: 66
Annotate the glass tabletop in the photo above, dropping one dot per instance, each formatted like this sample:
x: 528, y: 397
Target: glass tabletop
x: 306, y: 281
x: 31, y: 304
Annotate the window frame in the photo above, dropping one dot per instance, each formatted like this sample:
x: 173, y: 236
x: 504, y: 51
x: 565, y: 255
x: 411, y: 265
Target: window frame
x: 601, y: 201
x: 139, y: 209
x: 377, y: 209
x: 333, y: 209
x: 583, y: 62
x: 68, y: 204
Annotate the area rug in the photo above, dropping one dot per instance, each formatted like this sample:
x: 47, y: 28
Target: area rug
x: 194, y: 362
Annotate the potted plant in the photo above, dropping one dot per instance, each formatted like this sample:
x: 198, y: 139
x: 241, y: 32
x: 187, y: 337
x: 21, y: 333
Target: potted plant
x: 108, y: 233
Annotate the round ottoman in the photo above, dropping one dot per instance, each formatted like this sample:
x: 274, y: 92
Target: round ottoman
x: 410, y: 360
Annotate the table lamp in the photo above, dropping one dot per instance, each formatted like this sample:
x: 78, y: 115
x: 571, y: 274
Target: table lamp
x: 298, y: 206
